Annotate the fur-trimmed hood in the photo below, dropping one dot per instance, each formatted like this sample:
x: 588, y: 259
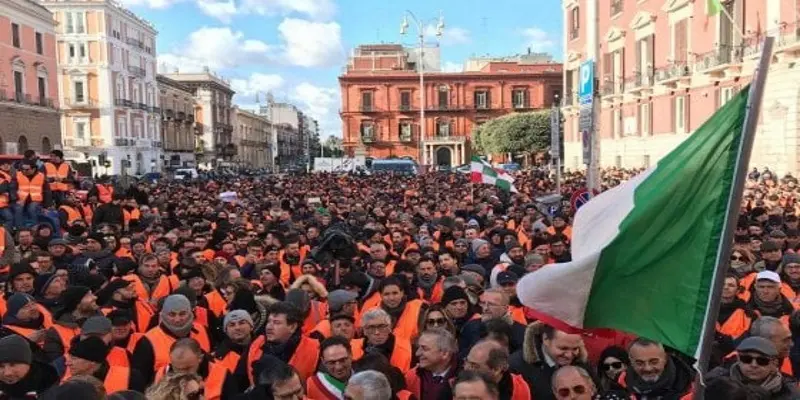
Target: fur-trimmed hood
x: 532, y: 345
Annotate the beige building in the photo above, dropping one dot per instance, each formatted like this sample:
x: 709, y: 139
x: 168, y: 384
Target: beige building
x: 251, y: 136
x: 107, y: 86
x: 213, y: 120
x: 177, y: 123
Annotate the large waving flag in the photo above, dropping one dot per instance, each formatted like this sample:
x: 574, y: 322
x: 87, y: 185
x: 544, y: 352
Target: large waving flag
x: 644, y: 253
x: 483, y: 172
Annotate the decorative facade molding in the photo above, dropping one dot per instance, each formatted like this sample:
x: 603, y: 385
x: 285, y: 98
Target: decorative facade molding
x: 642, y: 19
x: 614, y: 34
x: 674, y: 5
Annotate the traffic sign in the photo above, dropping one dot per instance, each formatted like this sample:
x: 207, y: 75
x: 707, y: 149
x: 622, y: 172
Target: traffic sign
x: 580, y: 197
x: 552, y: 210
x: 586, y: 87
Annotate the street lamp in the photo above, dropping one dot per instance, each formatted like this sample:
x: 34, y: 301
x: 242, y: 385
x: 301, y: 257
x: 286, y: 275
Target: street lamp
x: 421, y: 66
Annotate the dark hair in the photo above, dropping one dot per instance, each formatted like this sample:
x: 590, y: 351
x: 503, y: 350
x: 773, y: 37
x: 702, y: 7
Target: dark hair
x: 643, y: 342
x: 378, y: 362
x: 447, y: 251
x: 293, y: 315
x: 392, y: 280
x: 277, y: 372
x: 255, y: 243
x: 498, y: 327
x: 335, y: 341
x: 426, y: 259
x: 472, y: 376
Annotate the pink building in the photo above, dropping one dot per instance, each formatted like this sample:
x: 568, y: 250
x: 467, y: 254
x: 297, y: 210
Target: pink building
x: 664, y: 66
x: 29, y: 117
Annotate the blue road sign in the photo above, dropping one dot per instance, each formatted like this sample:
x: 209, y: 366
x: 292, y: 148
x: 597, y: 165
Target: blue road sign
x: 552, y: 210
x: 586, y: 87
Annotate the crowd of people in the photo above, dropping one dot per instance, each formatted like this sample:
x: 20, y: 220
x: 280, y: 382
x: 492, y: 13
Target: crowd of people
x: 349, y: 287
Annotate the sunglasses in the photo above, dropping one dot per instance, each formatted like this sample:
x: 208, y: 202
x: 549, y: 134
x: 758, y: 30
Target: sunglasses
x: 565, y: 392
x: 436, y: 321
x: 761, y: 361
x: 734, y: 257
x: 612, y: 365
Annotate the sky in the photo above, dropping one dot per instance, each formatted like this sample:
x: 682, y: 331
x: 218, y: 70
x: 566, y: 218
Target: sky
x: 296, y: 49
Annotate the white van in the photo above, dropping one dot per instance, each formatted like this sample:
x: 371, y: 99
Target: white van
x: 185, y: 174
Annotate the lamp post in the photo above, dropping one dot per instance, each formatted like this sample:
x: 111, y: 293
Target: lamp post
x: 421, y: 67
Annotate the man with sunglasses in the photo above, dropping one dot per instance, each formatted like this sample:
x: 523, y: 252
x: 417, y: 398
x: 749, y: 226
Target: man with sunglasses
x: 757, y: 364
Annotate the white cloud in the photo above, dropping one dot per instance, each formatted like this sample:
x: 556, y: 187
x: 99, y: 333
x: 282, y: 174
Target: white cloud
x: 450, y: 66
x: 538, y: 39
x: 450, y: 35
x: 221, y: 10
x: 311, y: 44
x: 156, y: 4
x: 322, y: 104
x: 217, y: 48
x: 257, y: 83
x: 319, y: 10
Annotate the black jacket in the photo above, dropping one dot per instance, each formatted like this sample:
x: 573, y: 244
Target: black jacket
x: 40, y: 378
x: 474, y: 330
x: 109, y: 214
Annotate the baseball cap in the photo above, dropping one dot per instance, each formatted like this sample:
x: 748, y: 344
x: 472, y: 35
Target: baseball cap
x: 768, y: 275
x: 507, y: 278
x: 338, y: 298
x: 758, y: 344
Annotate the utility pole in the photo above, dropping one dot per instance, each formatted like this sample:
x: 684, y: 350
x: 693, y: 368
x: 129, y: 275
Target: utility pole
x: 593, y: 53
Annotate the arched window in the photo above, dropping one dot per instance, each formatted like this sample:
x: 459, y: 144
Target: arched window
x: 120, y: 87
x: 22, y: 144
x: 46, y: 146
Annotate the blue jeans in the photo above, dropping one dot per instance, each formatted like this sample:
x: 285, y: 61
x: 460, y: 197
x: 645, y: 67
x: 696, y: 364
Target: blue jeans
x: 26, y: 215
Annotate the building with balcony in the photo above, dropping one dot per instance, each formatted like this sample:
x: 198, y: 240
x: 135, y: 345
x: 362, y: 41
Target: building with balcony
x: 213, y: 120
x: 381, y: 102
x: 664, y: 66
x: 287, y: 137
x: 178, y: 126
x: 252, y: 134
x: 107, y: 85
x: 29, y: 117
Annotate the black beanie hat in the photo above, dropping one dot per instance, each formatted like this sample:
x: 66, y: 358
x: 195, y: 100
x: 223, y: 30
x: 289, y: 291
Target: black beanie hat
x: 71, y: 298
x: 20, y: 268
x: 244, y: 300
x: 453, y: 293
x: 274, y: 269
x: 91, y: 349
x: 42, y: 282
x: 194, y: 272
x: 15, y: 349
x: 120, y: 317
x: 99, y: 237
x: 104, y: 295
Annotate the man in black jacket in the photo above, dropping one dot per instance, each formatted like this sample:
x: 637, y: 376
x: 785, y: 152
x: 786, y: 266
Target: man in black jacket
x: 111, y: 213
x: 21, y: 376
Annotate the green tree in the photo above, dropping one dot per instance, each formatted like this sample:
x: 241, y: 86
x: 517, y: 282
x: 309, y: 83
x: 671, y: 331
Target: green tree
x: 514, y: 133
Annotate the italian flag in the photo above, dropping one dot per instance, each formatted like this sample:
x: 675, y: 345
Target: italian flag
x: 483, y: 172
x: 644, y: 253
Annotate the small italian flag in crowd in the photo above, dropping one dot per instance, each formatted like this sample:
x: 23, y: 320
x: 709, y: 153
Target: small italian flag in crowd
x: 483, y: 172
x: 644, y: 253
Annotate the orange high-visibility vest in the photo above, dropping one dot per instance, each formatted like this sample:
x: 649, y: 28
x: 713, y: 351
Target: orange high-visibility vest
x: 162, y: 342
x: 88, y: 213
x: 401, y: 353
x: 105, y: 193
x: 33, y: 188
x: 4, y: 198
x: 162, y: 289
x: 66, y: 334
x: 61, y: 172
x: 4, y: 269
x: 116, y: 378
x: 230, y: 360
x: 304, y: 359
x: 72, y: 214
x: 213, y: 382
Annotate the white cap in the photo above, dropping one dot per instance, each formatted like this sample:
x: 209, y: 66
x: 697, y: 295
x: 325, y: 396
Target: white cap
x: 768, y: 275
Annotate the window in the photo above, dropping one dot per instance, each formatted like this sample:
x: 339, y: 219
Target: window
x: 19, y: 85
x: 82, y: 51
x: 15, y: 35
x: 366, y: 101
x: 121, y: 128
x: 644, y: 60
x: 444, y: 97
x: 645, y: 120
x: 70, y: 28
x: 80, y: 130
x: 78, y: 90
x: 618, y: 161
x: 482, y: 99
x: 725, y: 95
x: 405, y: 130
x: 443, y: 128
x: 520, y: 98
x: 39, y: 43
x: 680, y: 42
x: 574, y: 22
x: 71, y: 50
x: 42, y: 85
x: 367, y: 131
x: 79, y: 26
x: 617, y: 122
x: 679, y: 112
x: 405, y: 100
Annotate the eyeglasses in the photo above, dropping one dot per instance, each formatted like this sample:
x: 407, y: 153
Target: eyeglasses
x: 565, y: 392
x: 737, y: 257
x: 436, y: 321
x: 761, y: 361
x: 612, y: 365
x: 376, y: 328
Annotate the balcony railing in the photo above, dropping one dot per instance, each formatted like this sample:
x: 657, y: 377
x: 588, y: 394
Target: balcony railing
x: 76, y: 142
x: 138, y: 71
x: 616, y: 7
x: 672, y: 71
x: 483, y: 106
x: 367, y: 108
x: 120, y: 142
x: 122, y: 102
x: 189, y: 119
x: 156, y: 110
x: 180, y: 116
x: 720, y: 57
x: 80, y: 103
x: 638, y: 80
x: 27, y: 99
x: 611, y: 86
x: 405, y: 107
x: 142, y: 106
x: 169, y: 114
x: 135, y: 42
x: 97, y: 142
x: 569, y: 99
x: 573, y: 33
x: 367, y: 137
x: 405, y: 137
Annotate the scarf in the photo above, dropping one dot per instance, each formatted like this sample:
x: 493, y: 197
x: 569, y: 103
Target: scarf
x: 332, y: 385
x: 179, y: 331
x: 427, y: 284
x: 727, y: 309
x: 385, y: 349
x: 773, y: 383
x: 773, y: 308
x: 283, y: 351
x: 395, y: 312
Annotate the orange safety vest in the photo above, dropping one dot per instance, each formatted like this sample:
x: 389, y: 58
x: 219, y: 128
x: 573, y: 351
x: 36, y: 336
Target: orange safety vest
x: 4, y: 269
x: 216, y: 303
x: 436, y: 292
x: 736, y: 325
x: 212, y: 383
x: 688, y: 396
x: 163, y: 287
x: 401, y: 353
x: 230, y: 361
x: 33, y: 188
x: 61, y: 172
x: 72, y: 214
x: 118, y: 357
x: 289, y: 272
x: 66, y: 334
x: 162, y: 342
x: 88, y: 213
x: 105, y: 193
x: 407, y: 325
x: 304, y: 359
x: 144, y: 313
x: 117, y: 378
x: 131, y: 215
x: 323, y: 328
x: 318, y: 312
x: 4, y: 198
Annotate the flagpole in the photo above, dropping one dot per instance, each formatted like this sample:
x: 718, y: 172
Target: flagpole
x: 734, y: 202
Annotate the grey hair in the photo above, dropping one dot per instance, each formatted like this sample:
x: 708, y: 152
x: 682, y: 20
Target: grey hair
x: 503, y: 295
x: 764, y: 327
x: 451, y: 281
x: 445, y: 340
x: 580, y: 370
x: 374, y: 314
x: 374, y: 384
